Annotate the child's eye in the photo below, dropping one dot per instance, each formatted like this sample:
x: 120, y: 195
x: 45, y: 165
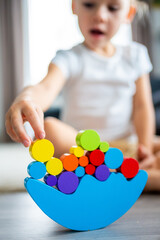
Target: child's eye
x: 113, y: 8
x: 88, y: 5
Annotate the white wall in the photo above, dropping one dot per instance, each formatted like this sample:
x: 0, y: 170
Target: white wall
x: 52, y: 26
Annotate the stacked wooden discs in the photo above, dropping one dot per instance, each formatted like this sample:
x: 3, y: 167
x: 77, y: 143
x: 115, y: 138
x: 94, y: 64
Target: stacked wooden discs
x: 89, y: 156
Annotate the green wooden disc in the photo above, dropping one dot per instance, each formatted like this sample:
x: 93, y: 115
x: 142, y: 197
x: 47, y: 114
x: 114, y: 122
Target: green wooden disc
x: 88, y: 139
x: 104, y: 146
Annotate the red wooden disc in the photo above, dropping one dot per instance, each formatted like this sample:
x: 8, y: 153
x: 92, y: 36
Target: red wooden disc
x: 96, y: 157
x: 90, y: 169
x: 129, y: 167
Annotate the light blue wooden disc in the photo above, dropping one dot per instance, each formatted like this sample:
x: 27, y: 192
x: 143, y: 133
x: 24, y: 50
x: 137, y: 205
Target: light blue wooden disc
x: 113, y: 158
x: 80, y: 171
x: 36, y: 170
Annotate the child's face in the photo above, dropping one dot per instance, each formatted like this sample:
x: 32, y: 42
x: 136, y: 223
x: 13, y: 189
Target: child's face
x: 99, y: 20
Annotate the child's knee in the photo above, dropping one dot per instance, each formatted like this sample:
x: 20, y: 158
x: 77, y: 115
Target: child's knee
x: 50, y: 122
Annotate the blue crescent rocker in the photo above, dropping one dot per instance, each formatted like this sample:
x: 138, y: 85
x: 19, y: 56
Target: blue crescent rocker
x: 93, y: 205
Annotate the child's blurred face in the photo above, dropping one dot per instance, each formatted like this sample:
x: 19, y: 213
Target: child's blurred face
x: 99, y: 20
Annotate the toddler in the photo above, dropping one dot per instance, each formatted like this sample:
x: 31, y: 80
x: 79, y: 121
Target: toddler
x: 105, y: 87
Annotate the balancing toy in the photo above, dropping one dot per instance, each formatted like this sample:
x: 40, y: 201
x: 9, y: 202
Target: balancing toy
x: 88, y: 140
x: 36, y: 169
x: 41, y: 150
x: 68, y: 182
x: 90, y: 169
x: 80, y: 171
x: 54, y: 166
x: 104, y: 146
x: 83, y: 161
x: 129, y: 167
x: 87, y: 195
x: 50, y: 180
x: 96, y: 157
x: 77, y: 151
x: 70, y: 162
x: 102, y: 172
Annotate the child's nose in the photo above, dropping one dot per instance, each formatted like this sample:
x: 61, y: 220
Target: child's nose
x: 101, y: 14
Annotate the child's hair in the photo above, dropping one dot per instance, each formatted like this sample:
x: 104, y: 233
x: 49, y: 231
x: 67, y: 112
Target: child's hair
x: 142, y: 8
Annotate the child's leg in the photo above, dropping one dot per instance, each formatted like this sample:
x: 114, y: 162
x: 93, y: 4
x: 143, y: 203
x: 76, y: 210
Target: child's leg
x: 156, y: 144
x: 60, y: 134
x: 129, y: 150
x: 153, y: 183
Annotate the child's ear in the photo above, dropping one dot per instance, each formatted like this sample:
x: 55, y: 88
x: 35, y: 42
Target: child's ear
x: 73, y: 7
x: 131, y: 14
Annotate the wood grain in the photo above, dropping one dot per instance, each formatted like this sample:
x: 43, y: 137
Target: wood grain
x: 20, y: 218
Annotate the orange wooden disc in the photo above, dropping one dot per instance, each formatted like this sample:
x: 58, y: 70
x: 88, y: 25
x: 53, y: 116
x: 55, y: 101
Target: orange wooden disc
x: 70, y: 162
x: 83, y: 161
x: 64, y: 156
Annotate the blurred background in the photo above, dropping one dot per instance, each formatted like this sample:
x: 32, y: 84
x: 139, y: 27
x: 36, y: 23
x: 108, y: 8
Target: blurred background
x: 30, y: 34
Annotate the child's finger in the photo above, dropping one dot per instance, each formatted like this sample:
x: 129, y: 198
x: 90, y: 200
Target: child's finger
x: 18, y: 128
x: 41, y: 115
x: 139, y: 152
x: 142, y: 152
x: 33, y: 118
x: 147, y: 163
x: 10, y: 131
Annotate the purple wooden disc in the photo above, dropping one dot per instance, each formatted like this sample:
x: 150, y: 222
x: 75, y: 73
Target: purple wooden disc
x: 102, y: 172
x: 68, y: 182
x: 50, y: 180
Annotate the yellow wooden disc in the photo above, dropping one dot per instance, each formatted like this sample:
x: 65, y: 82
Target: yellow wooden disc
x: 54, y: 166
x: 72, y: 149
x: 41, y: 150
x: 77, y: 151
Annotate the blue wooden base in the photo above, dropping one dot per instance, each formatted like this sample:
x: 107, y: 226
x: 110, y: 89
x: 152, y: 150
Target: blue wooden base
x: 93, y: 205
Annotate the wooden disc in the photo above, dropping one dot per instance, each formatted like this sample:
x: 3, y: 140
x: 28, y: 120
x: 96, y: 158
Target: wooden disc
x: 88, y: 140
x: 41, y: 150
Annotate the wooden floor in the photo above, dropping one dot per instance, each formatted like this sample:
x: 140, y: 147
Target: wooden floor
x: 21, y: 219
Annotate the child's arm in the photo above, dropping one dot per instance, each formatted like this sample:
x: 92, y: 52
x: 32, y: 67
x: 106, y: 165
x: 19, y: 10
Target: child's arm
x: 143, y: 113
x: 30, y: 105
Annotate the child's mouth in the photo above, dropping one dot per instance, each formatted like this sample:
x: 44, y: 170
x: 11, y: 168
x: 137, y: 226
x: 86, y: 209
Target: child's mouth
x: 96, y: 33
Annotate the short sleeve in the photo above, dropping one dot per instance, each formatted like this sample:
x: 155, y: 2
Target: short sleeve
x: 143, y: 63
x: 61, y: 60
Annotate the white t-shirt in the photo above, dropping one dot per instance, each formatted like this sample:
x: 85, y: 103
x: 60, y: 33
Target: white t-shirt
x: 99, y: 91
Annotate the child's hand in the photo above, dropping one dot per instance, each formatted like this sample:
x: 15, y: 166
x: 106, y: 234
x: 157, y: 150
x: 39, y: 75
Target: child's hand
x: 145, y: 157
x: 23, y: 110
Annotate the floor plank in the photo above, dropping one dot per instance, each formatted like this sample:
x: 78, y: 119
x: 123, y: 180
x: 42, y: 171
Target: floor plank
x: 20, y: 218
